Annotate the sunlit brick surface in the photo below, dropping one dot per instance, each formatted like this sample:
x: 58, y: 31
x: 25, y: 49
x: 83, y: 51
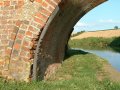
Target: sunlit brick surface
x: 21, y: 24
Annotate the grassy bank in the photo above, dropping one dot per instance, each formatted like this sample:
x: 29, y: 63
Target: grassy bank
x: 79, y: 71
x: 95, y: 43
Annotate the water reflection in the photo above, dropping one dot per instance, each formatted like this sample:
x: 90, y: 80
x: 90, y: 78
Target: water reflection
x: 113, y: 57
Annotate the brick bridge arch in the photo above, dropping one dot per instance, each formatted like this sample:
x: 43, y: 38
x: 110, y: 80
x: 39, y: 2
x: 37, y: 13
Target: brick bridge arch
x: 34, y: 34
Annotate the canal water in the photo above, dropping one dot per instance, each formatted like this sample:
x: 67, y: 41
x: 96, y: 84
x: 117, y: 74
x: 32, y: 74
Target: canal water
x: 112, y: 56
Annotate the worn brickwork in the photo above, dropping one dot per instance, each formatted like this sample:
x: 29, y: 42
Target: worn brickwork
x: 21, y: 22
x: 21, y: 25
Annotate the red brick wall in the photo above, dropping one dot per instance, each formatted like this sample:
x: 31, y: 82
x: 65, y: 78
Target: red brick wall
x: 21, y: 22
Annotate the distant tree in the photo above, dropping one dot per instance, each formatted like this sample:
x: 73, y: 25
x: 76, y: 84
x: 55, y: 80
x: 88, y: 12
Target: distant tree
x: 116, y: 27
x: 78, y: 33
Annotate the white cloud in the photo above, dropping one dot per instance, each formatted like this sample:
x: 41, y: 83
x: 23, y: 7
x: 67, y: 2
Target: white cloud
x: 97, y: 25
x: 108, y: 21
x: 82, y: 24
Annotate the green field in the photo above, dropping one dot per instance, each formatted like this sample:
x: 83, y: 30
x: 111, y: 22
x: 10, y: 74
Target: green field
x: 79, y: 71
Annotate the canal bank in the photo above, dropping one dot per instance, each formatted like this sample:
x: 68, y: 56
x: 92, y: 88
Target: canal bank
x: 112, y: 67
x: 80, y: 71
x: 107, y: 48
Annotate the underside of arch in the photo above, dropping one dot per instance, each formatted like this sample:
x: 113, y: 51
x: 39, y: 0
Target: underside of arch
x: 50, y: 50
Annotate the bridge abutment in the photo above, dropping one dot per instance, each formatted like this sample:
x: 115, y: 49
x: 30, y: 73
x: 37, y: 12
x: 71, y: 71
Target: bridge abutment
x: 33, y: 35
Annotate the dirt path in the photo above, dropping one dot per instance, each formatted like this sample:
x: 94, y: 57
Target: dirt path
x: 107, y: 68
x: 105, y: 34
x: 112, y: 73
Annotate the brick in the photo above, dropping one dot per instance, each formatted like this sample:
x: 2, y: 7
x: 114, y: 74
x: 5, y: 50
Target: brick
x: 28, y: 33
x: 25, y: 48
x: 57, y: 1
x: 33, y: 30
x: 21, y: 32
x: 51, y: 9
x: 18, y: 41
x: 39, y: 21
x: 13, y: 36
x: 16, y: 46
x: 23, y: 53
x: 6, y: 3
x: 15, y: 29
x: 4, y: 42
x: 4, y: 37
x: 8, y: 51
x: 25, y: 43
x: 26, y: 22
x: 15, y: 52
x: 18, y: 23
x: 24, y: 26
x: 1, y: 3
x: 44, y: 4
x: 41, y: 16
x: 21, y: 24
x: 39, y: 1
x: 20, y: 3
x: 51, y: 3
x: 13, y: 3
x: 45, y: 12
x: 20, y: 36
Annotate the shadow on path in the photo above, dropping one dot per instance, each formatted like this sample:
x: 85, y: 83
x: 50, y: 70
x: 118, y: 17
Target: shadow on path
x: 72, y: 52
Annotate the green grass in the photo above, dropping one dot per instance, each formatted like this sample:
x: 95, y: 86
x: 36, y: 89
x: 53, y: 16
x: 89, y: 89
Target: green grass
x: 79, y: 71
x: 96, y: 43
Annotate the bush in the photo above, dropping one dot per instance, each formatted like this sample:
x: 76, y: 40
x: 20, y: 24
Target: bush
x: 78, y: 33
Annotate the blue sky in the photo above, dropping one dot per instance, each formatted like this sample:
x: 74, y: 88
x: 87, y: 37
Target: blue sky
x: 105, y: 16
